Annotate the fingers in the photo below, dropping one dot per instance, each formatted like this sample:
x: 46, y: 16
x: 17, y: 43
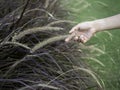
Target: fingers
x: 72, y: 30
x: 81, y: 32
x: 77, y: 36
x: 83, y: 38
x: 77, y: 27
x: 70, y: 37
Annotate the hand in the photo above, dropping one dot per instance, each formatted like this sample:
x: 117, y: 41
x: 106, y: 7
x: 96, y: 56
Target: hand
x: 82, y: 32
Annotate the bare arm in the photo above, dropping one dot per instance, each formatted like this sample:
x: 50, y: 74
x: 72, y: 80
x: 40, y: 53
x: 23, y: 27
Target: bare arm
x: 84, y: 31
x: 107, y: 23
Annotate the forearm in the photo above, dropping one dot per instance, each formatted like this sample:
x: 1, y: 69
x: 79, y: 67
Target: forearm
x: 107, y: 23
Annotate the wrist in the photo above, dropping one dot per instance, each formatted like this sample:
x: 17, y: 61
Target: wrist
x: 98, y: 25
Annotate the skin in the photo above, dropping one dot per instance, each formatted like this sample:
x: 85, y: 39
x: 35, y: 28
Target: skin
x: 85, y: 30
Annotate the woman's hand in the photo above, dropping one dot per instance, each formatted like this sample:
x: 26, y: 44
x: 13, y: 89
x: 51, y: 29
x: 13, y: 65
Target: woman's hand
x: 82, y: 32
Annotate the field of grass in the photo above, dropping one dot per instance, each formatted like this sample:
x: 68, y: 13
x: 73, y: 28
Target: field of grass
x: 33, y: 53
x: 109, y: 42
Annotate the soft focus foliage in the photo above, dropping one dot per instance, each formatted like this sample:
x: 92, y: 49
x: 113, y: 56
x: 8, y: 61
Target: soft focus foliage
x: 107, y: 41
x: 33, y: 54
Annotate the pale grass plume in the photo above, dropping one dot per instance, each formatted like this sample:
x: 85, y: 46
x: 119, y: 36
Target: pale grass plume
x: 17, y: 10
x: 48, y: 41
x: 102, y: 3
x: 12, y: 67
x: 53, y: 3
x: 110, y: 35
x: 40, y: 85
x: 76, y: 68
x: 100, y: 80
x: 84, y: 5
x: 93, y: 48
x: 110, y: 58
x: 34, y: 30
x: 94, y: 59
x: 76, y: 4
x: 103, y: 47
x: 18, y: 44
x: 99, y: 50
x: 30, y: 21
x: 37, y: 9
x: 46, y: 3
x: 60, y: 21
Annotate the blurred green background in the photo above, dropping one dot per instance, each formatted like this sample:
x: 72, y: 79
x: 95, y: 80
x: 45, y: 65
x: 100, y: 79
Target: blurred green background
x: 109, y: 42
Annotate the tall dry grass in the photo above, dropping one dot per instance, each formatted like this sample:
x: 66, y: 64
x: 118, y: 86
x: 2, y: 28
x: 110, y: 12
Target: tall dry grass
x: 33, y: 54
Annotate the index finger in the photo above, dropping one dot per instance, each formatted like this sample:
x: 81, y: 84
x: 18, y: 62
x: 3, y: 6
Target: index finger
x: 70, y: 37
x: 73, y: 29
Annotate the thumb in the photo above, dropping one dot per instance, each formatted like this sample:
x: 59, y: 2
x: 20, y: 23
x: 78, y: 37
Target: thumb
x: 81, y: 26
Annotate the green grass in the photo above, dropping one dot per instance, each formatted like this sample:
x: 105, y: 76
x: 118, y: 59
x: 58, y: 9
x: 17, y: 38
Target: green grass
x: 83, y: 10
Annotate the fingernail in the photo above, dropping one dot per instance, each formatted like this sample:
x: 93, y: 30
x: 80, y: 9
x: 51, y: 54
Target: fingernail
x: 83, y: 39
x: 76, y: 38
x: 66, y: 40
x: 70, y: 31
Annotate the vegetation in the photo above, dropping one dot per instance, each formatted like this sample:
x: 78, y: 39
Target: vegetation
x: 33, y: 54
x: 83, y: 10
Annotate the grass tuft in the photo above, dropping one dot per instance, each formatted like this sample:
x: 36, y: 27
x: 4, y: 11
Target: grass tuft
x: 48, y: 41
x: 33, y: 53
x: 34, y: 30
